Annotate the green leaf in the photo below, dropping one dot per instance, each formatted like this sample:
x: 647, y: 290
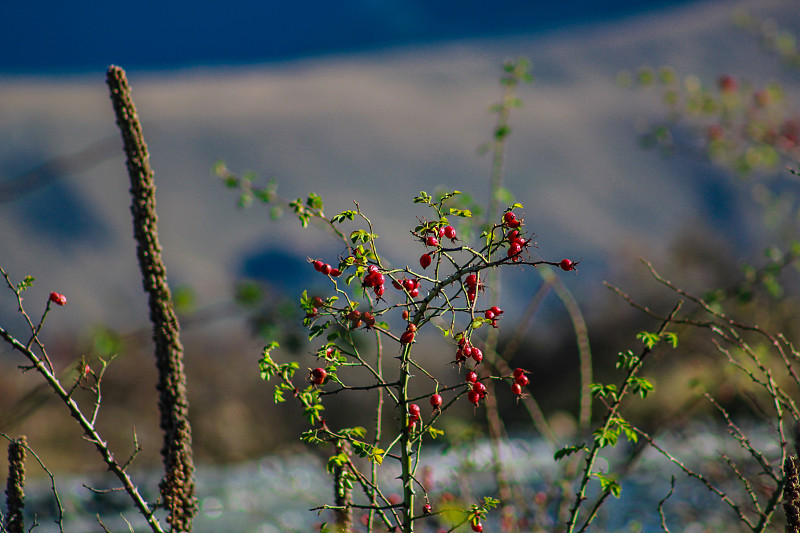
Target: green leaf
x: 627, y: 360
x: 641, y: 386
x: 649, y: 339
x: 490, y: 503
x: 361, y: 235
x: 466, y: 213
x: 245, y: 199
x: 317, y: 329
x: 672, y: 338
x: 377, y: 456
x: 344, y: 215
x: 599, y: 390
x: 26, y: 283
x: 423, y: 198
x: 435, y: 433
x: 609, y: 484
x: 313, y: 413
x: 336, y: 461
x: 314, y: 201
x: 569, y: 450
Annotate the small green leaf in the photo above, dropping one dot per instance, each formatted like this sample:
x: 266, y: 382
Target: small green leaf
x: 609, y: 484
x: 466, y: 213
x: 569, y: 450
x: 26, y: 283
x: 649, y: 339
x: 435, y: 433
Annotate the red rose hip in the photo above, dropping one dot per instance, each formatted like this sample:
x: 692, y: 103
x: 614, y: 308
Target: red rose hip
x: 58, y: 298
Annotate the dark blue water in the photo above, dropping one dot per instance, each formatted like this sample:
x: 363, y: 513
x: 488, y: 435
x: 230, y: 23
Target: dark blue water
x: 47, y: 37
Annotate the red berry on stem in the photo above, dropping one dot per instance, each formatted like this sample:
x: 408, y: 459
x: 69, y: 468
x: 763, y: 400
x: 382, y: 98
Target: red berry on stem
x: 58, y: 298
x: 407, y: 337
x: 489, y: 314
x: 425, y: 261
x: 477, y: 526
x: 326, y: 269
x: 450, y: 232
x: 518, y: 372
x: 473, y: 397
x: 567, y: 265
x: 516, y: 389
x: 522, y: 380
x: 318, y: 376
x: 471, y: 281
x: 509, y: 217
x: 477, y: 354
x: 335, y: 273
x: 480, y: 388
x: 432, y: 241
x: 427, y: 509
x: 472, y: 377
x: 436, y: 401
x: 413, y: 409
x: 496, y: 310
x: 317, y: 265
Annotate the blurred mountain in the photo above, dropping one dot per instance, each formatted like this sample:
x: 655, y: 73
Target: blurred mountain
x: 373, y: 127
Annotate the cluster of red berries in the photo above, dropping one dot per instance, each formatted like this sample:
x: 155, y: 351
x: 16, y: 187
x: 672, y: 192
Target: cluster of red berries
x: 325, y: 268
x: 356, y: 318
x: 466, y: 350
x: 413, y: 415
x: 476, y: 393
x: 516, y: 243
x: 510, y: 220
x: 58, y: 298
x: 473, y: 285
x: 520, y: 380
x: 408, y: 335
x: 433, y: 241
x: 375, y: 280
x: 409, y: 284
x: 492, y: 314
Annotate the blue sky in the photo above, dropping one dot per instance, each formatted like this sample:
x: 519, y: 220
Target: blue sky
x: 59, y: 37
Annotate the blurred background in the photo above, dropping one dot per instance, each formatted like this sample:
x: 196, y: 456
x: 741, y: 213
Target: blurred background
x: 369, y: 102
